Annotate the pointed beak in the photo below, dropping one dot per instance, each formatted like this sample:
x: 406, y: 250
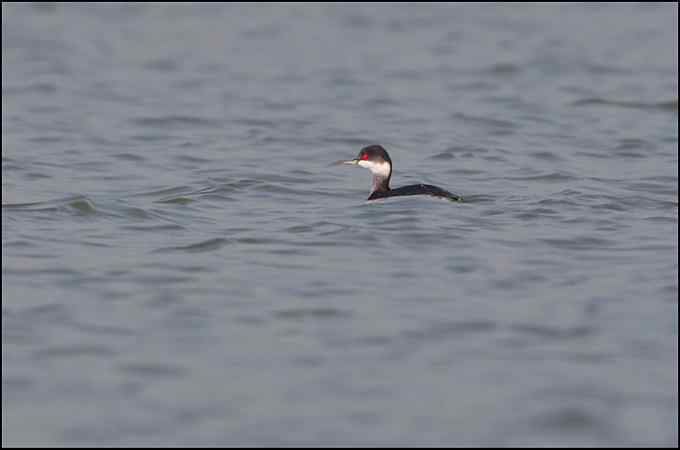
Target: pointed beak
x: 351, y: 162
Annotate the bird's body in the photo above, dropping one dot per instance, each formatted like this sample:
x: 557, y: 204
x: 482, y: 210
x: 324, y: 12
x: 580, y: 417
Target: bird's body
x: 416, y: 189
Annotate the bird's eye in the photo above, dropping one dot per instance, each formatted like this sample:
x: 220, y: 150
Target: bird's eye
x: 364, y: 156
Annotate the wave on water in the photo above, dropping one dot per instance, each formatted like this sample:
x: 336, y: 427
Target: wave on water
x: 670, y: 105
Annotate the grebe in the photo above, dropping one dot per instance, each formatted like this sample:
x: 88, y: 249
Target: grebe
x: 376, y: 159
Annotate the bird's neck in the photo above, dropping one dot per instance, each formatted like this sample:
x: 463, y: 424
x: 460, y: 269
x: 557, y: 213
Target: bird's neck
x: 381, y: 174
x: 380, y: 183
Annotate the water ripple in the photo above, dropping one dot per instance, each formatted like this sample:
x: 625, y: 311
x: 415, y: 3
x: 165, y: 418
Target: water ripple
x: 324, y: 313
x: 79, y: 205
x: 199, y: 247
x: 663, y: 106
x: 175, y: 122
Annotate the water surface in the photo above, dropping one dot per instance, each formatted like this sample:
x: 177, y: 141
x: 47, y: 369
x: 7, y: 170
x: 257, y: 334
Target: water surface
x: 181, y: 264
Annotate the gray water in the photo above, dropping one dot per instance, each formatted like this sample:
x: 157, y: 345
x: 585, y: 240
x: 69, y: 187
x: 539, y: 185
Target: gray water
x: 182, y: 265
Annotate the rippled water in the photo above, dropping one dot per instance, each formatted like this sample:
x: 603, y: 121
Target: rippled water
x: 181, y: 264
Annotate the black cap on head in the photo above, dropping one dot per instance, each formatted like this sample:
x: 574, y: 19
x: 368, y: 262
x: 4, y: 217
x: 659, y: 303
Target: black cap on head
x: 374, y: 153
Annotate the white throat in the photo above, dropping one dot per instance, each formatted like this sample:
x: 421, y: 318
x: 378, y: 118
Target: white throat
x: 381, y: 170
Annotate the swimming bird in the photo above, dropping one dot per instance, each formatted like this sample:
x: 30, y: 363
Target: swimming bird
x: 376, y: 159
